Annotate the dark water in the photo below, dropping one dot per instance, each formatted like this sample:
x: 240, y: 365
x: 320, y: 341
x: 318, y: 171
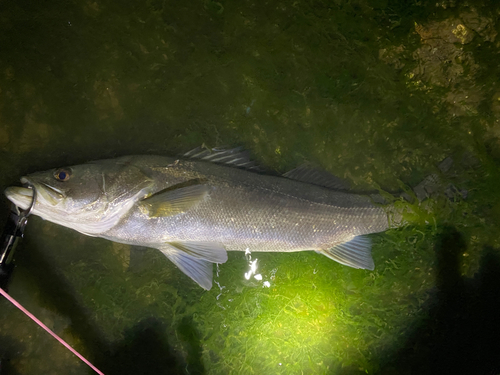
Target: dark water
x: 377, y: 92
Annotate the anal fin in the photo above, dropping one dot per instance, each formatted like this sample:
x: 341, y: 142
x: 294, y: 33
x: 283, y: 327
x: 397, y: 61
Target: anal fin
x: 355, y: 253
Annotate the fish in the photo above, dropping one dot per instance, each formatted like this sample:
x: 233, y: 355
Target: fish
x: 197, y: 207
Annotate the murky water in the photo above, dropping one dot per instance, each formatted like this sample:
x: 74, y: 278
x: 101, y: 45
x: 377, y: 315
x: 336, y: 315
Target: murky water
x: 377, y: 93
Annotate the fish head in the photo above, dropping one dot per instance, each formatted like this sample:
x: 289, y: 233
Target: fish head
x: 90, y: 198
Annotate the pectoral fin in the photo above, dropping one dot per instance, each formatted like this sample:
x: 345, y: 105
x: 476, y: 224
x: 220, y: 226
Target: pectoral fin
x: 173, y: 202
x: 355, y: 253
x: 195, y: 259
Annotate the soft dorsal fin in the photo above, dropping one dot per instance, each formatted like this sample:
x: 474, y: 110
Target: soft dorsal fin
x: 237, y: 157
x: 311, y: 175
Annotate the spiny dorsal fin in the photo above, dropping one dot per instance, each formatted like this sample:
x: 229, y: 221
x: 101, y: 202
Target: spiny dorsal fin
x: 311, y: 175
x: 237, y: 157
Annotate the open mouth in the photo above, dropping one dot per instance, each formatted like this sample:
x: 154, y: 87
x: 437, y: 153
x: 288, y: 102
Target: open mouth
x: 22, y: 197
x: 25, y: 197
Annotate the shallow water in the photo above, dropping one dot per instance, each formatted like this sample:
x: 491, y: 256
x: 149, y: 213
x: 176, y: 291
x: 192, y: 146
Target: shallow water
x: 377, y: 93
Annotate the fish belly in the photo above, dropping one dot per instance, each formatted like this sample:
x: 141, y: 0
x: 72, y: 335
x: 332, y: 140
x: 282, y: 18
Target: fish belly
x: 242, y: 218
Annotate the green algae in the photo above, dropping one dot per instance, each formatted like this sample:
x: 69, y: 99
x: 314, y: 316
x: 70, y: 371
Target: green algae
x: 375, y: 92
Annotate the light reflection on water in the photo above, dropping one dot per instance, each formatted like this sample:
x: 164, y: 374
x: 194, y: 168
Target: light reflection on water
x: 253, y: 265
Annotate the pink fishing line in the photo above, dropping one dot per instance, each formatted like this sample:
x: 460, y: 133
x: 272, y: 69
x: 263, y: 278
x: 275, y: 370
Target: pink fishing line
x: 18, y: 305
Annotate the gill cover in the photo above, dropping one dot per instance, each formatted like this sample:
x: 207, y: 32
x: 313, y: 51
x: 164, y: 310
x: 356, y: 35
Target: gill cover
x: 90, y: 198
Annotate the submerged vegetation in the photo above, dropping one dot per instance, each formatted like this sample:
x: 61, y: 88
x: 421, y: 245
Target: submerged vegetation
x: 375, y: 92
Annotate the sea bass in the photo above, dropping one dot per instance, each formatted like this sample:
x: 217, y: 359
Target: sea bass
x: 194, y: 209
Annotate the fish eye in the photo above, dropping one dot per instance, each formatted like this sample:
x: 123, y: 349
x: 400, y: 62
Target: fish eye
x: 62, y: 174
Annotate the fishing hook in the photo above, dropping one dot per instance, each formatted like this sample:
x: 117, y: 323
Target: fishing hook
x: 13, y: 230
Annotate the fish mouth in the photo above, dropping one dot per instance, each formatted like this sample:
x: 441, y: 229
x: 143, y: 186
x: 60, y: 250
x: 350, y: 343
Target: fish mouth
x: 22, y: 197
